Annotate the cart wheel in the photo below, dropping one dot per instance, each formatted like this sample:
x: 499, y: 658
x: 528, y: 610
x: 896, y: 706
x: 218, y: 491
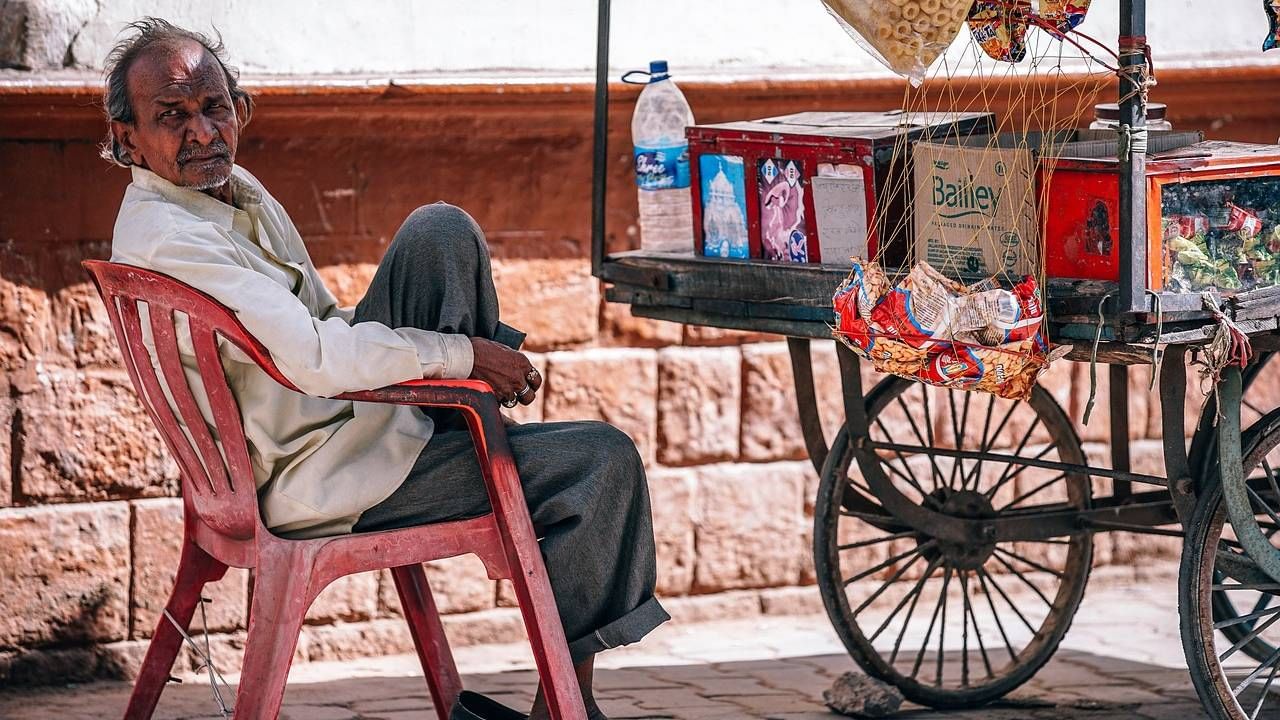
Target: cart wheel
x: 1234, y: 672
x: 1231, y: 605
x: 952, y: 626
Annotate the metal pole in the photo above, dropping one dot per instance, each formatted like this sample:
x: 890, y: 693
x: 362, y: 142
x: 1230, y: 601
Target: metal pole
x: 600, y: 140
x: 1133, y: 182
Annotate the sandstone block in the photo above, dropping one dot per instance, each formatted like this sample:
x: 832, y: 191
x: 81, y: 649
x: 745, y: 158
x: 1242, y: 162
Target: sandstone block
x: 7, y: 405
x: 500, y: 625
x: 699, y: 395
x: 348, y: 281
x: 24, y: 308
x: 710, y: 608
x: 770, y: 415
x: 349, y: 599
x: 750, y: 526
x: 619, y: 328
x: 791, y: 601
x: 555, y: 301
x: 706, y: 335
x: 66, y: 578
x: 617, y: 386
x: 157, y: 544
x: 458, y: 584
x: 348, y: 641
x: 82, y: 328
x: 673, y: 496
x: 85, y: 436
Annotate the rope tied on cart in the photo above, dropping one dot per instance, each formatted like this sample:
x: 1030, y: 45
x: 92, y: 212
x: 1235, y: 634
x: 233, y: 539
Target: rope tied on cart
x: 1228, y: 347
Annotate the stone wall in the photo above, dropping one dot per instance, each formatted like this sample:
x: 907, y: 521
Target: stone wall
x: 89, y: 522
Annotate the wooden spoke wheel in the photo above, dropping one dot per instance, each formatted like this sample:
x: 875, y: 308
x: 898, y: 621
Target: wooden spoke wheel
x: 952, y: 625
x: 1230, y: 610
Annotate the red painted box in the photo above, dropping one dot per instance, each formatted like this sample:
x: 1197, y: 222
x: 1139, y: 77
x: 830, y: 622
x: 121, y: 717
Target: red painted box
x: 786, y: 188
x: 1195, y: 239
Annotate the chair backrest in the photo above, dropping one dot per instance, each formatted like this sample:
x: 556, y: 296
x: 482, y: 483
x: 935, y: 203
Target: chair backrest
x: 221, y: 491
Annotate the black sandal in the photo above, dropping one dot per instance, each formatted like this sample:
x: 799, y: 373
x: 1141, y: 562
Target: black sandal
x: 474, y: 706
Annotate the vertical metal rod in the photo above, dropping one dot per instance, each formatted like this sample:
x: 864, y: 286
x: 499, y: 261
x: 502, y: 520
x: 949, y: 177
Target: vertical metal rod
x: 600, y: 140
x: 1133, y: 181
x: 1119, y: 382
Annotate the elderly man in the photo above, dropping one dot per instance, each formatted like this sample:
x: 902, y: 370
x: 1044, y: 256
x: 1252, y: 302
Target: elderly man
x: 326, y: 466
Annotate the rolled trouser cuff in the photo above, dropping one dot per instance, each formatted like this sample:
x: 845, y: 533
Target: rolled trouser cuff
x: 625, y: 630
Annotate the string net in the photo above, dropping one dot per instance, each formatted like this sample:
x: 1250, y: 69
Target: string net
x: 952, y: 293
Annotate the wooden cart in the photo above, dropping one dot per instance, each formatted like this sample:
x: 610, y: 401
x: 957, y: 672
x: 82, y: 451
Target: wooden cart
x: 954, y: 532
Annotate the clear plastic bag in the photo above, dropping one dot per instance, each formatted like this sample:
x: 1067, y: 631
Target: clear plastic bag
x: 905, y: 35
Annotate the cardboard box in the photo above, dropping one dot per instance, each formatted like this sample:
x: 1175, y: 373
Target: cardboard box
x: 975, y: 210
x: 812, y: 187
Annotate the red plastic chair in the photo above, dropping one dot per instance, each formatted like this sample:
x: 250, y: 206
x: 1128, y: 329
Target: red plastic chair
x: 222, y: 526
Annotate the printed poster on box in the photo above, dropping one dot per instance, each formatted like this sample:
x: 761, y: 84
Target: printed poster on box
x: 723, y: 194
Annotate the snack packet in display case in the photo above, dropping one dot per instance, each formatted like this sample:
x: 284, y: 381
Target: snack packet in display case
x: 935, y: 330
x: 905, y: 35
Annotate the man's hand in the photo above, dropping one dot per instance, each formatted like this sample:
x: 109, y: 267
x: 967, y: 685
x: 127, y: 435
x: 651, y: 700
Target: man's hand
x: 507, y: 371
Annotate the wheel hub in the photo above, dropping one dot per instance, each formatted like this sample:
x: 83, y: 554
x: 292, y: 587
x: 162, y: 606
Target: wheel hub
x: 967, y: 505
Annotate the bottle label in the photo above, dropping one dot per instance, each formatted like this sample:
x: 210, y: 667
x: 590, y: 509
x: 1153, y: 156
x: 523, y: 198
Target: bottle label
x: 662, y: 168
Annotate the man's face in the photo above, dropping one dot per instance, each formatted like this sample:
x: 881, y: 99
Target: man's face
x: 185, y: 127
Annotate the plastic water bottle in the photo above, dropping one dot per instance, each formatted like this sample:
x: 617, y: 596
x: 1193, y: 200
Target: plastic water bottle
x: 662, y: 163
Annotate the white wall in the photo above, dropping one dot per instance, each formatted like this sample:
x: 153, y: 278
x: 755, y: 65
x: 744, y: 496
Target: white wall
x: 723, y: 38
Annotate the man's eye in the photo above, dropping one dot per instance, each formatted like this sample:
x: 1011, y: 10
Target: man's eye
x: 169, y: 113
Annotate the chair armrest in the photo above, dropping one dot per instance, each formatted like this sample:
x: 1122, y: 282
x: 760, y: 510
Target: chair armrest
x: 430, y: 393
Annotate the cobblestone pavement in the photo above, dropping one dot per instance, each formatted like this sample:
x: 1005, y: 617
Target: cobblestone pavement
x: 767, y: 667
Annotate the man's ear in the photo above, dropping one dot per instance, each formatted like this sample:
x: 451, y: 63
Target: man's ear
x: 244, y: 110
x: 123, y: 134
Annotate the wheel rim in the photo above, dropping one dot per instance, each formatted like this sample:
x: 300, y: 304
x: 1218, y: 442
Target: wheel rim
x: 1237, y: 668
x: 1256, y: 397
x: 952, y: 625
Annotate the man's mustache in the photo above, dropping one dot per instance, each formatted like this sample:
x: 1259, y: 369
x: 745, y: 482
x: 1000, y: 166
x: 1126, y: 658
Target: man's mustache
x: 217, y: 148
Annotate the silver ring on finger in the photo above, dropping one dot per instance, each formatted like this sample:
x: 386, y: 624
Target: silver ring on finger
x: 511, y: 401
x: 527, y: 389
x: 531, y: 376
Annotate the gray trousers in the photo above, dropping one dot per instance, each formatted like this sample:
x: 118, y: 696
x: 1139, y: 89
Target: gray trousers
x: 584, y: 481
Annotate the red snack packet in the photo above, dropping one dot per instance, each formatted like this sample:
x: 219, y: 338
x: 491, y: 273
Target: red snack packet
x: 1243, y: 219
x: 1192, y: 225
x: 953, y: 367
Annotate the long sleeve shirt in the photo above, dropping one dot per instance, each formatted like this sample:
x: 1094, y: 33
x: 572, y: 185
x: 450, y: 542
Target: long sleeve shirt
x: 318, y: 462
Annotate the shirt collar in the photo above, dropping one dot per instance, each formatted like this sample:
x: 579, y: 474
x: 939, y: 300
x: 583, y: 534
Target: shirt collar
x: 243, y: 194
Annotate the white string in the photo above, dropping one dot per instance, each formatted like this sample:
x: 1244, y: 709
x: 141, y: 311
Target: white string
x: 215, y: 677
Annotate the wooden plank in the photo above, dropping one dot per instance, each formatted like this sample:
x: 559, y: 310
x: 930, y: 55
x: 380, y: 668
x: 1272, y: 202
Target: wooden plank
x: 713, y: 278
x: 729, y: 322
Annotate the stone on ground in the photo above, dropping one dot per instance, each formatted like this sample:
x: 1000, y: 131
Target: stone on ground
x: 857, y: 695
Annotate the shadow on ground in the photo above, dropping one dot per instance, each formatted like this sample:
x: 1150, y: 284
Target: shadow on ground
x: 1074, y: 685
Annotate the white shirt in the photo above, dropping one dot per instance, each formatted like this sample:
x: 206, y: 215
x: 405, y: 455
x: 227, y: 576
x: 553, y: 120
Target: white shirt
x: 318, y: 463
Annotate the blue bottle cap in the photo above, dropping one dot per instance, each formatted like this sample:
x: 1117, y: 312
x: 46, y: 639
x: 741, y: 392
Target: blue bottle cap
x: 658, y: 70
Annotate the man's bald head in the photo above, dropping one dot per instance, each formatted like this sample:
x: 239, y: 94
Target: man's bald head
x: 173, y: 105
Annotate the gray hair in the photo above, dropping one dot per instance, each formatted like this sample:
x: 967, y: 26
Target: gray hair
x: 147, y: 32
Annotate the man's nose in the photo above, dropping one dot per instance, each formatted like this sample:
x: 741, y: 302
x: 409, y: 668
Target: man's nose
x: 202, y: 130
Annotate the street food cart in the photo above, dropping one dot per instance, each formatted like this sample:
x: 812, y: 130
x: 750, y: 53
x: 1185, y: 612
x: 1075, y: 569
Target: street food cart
x: 954, y: 531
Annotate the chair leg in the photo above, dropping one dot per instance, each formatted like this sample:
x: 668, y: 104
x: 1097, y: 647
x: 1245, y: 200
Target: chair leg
x: 195, y: 568
x: 546, y: 636
x: 281, y: 595
x: 428, y: 637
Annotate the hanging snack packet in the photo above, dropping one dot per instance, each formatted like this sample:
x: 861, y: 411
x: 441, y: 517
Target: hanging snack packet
x: 932, y: 329
x: 1272, y: 8
x: 1000, y: 26
x: 905, y: 35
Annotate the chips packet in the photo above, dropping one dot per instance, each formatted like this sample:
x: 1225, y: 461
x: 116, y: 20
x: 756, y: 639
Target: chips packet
x: 935, y: 330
